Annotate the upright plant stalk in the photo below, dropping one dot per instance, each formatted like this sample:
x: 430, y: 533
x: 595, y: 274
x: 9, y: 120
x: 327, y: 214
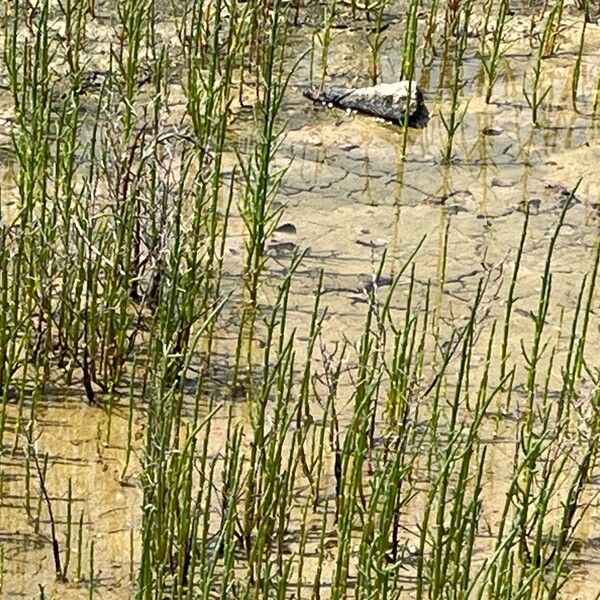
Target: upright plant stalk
x: 408, y: 64
x: 577, y: 67
x: 535, y: 97
x: 454, y: 120
x: 495, y: 52
x: 261, y: 182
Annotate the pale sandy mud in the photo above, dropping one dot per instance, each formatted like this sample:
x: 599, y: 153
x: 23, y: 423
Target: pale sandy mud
x: 348, y: 196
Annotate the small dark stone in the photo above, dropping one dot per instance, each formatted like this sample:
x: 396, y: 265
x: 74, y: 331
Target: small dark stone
x: 288, y: 228
x: 492, y: 131
x: 496, y: 182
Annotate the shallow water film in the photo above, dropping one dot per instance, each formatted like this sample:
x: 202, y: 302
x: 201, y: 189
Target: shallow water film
x: 263, y: 335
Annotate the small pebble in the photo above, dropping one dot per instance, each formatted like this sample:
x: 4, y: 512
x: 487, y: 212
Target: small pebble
x: 282, y: 247
x: 497, y: 182
x: 288, y: 228
x: 376, y: 243
x: 493, y: 131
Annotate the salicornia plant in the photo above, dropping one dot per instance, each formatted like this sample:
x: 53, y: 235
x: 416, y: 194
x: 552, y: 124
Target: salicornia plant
x: 495, y: 51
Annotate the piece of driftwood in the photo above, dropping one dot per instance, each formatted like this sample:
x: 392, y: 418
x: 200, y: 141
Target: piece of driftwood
x: 388, y: 101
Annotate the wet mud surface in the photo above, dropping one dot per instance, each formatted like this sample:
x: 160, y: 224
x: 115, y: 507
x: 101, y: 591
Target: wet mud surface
x: 348, y: 198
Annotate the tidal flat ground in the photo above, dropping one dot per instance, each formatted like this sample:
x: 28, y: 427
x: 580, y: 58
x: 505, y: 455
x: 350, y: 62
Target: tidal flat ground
x: 253, y: 346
